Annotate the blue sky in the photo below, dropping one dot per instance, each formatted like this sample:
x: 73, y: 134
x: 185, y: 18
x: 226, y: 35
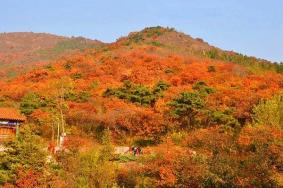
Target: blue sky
x: 252, y: 27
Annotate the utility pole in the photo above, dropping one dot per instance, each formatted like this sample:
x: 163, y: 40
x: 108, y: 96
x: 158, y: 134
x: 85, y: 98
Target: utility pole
x: 58, y: 133
x: 61, y: 93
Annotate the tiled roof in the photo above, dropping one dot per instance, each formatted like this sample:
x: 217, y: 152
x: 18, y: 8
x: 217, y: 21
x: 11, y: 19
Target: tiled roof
x: 11, y: 114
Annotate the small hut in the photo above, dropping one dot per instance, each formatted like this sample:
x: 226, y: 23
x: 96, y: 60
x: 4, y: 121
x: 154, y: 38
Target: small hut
x: 10, y: 120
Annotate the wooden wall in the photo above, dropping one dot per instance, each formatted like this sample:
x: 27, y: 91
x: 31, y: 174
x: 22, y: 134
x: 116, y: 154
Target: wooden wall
x: 5, y: 131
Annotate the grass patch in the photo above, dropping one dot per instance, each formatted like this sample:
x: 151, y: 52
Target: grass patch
x: 126, y: 158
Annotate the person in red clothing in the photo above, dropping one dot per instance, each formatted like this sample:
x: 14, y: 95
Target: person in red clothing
x: 51, y: 147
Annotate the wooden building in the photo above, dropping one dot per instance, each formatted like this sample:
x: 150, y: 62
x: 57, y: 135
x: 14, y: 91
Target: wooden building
x: 10, y: 120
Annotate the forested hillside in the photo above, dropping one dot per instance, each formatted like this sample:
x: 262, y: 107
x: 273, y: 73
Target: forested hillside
x: 20, y: 51
x: 204, y: 117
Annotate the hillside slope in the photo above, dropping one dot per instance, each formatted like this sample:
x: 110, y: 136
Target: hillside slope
x: 182, y: 44
x: 204, y: 117
x: 153, y: 55
x: 21, y: 50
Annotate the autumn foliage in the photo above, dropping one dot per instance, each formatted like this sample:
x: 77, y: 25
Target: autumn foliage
x: 206, y: 118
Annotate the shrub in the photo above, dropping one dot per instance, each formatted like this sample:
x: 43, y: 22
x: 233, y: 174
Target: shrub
x: 156, y: 43
x: 189, y: 108
x: 94, y: 84
x: 83, y: 96
x: 160, y: 87
x: 76, y: 76
x: 279, y: 67
x: 70, y: 95
x: 30, y: 102
x: 202, y: 88
x: 211, y: 68
x: 144, y: 142
x: 49, y: 67
x: 186, y: 107
x: 139, y: 94
x: 224, y: 118
x: 178, y: 137
x: 136, y: 38
x: 269, y: 112
x: 213, y: 54
x: 68, y: 66
x: 23, y: 154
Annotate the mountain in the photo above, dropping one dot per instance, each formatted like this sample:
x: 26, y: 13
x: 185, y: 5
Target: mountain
x: 180, y: 43
x: 19, y: 51
x: 145, y: 58
x: 204, y: 117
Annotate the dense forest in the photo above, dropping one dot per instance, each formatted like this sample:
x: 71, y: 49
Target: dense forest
x: 202, y: 116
